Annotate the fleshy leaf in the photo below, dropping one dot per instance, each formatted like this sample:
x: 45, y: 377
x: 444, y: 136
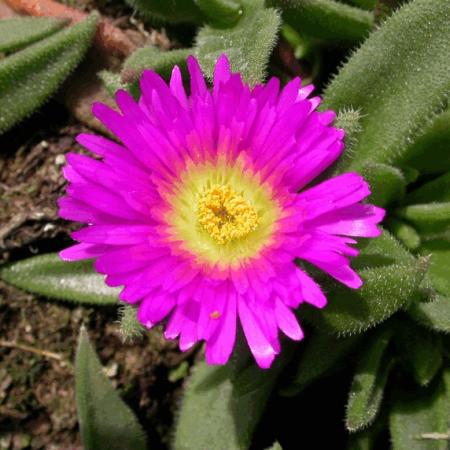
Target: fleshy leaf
x: 398, y: 79
x: 130, y: 327
x: 420, y: 349
x: 405, y: 233
x: 428, y: 217
x: 387, y: 183
x: 419, y: 419
x: 329, y: 20
x: 386, y: 289
x: 30, y: 76
x: 105, y: 420
x: 221, y: 408
x: 429, y: 152
x: 49, y: 276
x: 154, y: 59
x: 220, y: 12
x: 248, y: 44
x: 434, y: 315
x: 172, y: 11
x: 438, y: 251
x: 366, y: 391
x: 317, y: 361
x: 437, y: 190
x: 366, y: 439
x: 18, y: 32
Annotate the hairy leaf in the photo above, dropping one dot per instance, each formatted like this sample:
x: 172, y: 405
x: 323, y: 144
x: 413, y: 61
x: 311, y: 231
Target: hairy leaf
x: 429, y: 152
x: 434, y: 315
x: 154, y: 59
x: 105, y: 420
x: 329, y: 20
x: 248, y: 44
x: 172, y: 11
x: 366, y: 391
x: 421, y: 351
x: 30, y: 76
x: 405, y: 233
x: 49, y: 276
x: 387, y: 183
x: 317, y: 361
x: 419, y: 419
x: 428, y: 217
x: 437, y: 190
x: 439, y: 271
x: 220, y: 12
x: 381, y: 251
x: 130, y: 327
x: 386, y: 289
x: 221, y: 408
x: 398, y: 79
x: 18, y: 32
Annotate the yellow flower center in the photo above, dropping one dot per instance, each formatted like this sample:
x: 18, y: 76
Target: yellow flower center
x: 225, y: 214
x: 222, y: 214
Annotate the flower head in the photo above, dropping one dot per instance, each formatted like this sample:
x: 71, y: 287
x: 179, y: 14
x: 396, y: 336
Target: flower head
x: 201, y: 211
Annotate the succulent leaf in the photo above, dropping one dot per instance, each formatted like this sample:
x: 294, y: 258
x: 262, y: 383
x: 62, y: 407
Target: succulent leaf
x: 247, y: 44
x: 105, y: 420
x: 30, y: 76
x: 18, y: 32
x: 47, y: 275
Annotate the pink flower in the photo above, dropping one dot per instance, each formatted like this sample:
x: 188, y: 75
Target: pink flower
x: 202, y: 210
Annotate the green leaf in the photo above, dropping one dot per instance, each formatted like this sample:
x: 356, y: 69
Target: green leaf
x: 106, y: 422
x: 317, y: 361
x: 438, y: 251
x: 30, y: 76
x: 130, y: 327
x: 220, y: 12
x: 437, y: 190
x: 155, y: 59
x: 366, y: 439
x: 429, y: 152
x: 223, y: 408
x: 49, y: 276
x: 18, y: 32
x: 386, y: 289
x: 172, y: 11
x: 381, y: 251
x: 434, y: 315
x: 275, y: 446
x: 366, y: 391
x: 419, y: 419
x: 398, y: 79
x: 366, y: 4
x: 405, y: 233
x: 421, y: 351
x: 427, y: 217
x: 326, y: 19
x: 112, y: 82
x: 248, y: 44
x: 387, y: 183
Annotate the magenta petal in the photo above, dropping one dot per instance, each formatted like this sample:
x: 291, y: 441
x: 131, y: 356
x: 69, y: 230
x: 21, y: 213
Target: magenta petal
x: 220, y: 345
x: 259, y: 345
x: 155, y: 308
x: 82, y: 251
x: 311, y: 291
x: 287, y: 321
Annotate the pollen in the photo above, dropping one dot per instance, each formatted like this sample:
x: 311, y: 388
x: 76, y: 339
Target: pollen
x: 225, y: 214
